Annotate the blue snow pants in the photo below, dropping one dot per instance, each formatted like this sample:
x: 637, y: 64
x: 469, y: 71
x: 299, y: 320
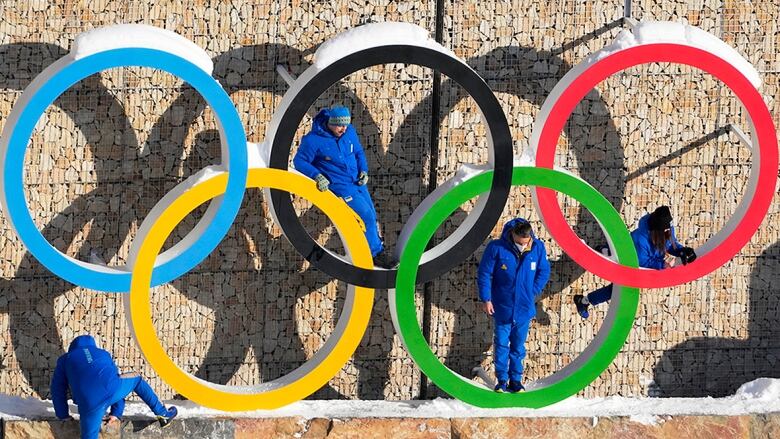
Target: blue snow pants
x: 509, y: 350
x: 601, y: 295
x: 91, y: 422
x: 360, y: 201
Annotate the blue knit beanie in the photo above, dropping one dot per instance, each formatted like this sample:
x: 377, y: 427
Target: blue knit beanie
x: 339, y: 116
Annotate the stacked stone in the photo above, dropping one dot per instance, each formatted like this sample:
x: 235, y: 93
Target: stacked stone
x: 619, y: 139
x: 254, y: 310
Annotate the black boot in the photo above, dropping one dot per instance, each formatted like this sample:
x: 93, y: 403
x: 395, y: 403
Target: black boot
x: 386, y: 260
x: 166, y: 420
x: 582, y: 307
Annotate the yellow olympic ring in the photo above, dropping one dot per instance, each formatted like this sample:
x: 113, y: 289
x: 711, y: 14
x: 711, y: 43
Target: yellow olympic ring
x: 307, y: 378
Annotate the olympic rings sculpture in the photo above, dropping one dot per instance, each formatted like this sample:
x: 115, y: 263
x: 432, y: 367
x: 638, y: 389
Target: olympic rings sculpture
x: 223, y: 186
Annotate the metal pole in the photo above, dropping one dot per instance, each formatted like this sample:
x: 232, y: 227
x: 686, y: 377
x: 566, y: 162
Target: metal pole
x: 432, y: 177
x: 288, y: 78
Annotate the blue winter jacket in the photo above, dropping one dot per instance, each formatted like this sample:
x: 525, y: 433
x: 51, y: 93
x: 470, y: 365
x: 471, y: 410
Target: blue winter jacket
x: 649, y: 255
x: 512, y: 281
x: 89, y: 372
x: 339, y: 159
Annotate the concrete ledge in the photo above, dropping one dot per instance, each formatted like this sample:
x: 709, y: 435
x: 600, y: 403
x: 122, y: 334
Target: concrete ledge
x: 721, y: 427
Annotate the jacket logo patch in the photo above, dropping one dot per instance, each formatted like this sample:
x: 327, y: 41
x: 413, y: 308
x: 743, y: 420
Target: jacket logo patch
x: 533, y: 266
x: 503, y: 266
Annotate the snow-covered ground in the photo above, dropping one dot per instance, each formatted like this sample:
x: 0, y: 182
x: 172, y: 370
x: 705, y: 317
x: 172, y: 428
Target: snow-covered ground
x: 759, y: 396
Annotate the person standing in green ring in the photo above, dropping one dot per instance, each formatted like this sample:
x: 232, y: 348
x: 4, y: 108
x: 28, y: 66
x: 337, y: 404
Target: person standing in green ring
x: 512, y: 274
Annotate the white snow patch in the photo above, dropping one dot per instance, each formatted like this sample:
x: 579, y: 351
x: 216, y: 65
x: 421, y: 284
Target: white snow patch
x: 760, y: 396
x: 646, y: 419
x: 762, y: 389
x: 653, y: 32
x: 255, y: 155
x: 140, y: 36
x: 374, y: 35
x: 467, y: 171
x: 204, y: 174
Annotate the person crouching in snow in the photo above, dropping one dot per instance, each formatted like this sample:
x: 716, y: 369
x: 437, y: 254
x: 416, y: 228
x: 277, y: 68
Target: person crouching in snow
x: 512, y: 274
x: 657, y: 248
x: 331, y: 155
x: 95, y: 385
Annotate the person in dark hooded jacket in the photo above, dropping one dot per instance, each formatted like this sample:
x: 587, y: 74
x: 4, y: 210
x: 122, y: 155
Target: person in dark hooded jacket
x: 512, y: 274
x: 331, y: 155
x: 656, y: 247
x: 95, y: 385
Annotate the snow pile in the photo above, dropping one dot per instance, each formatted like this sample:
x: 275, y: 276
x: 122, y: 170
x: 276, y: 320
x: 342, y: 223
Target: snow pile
x: 467, y: 171
x: 199, y: 177
x: 654, y: 32
x: 374, y: 35
x: 762, y: 389
x: 140, y: 36
x: 256, y: 155
x: 646, y: 419
x: 15, y: 407
x: 759, y: 396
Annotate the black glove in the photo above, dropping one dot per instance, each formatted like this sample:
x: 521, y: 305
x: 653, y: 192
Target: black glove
x: 687, y: 255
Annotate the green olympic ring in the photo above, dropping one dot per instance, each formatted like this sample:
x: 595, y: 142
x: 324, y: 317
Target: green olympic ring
x: 583, y: 369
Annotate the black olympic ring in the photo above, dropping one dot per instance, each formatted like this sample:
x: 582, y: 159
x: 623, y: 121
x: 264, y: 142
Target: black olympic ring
x: 499, y: 139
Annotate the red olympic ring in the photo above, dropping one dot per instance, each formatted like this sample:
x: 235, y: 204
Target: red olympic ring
x: 738, y: 230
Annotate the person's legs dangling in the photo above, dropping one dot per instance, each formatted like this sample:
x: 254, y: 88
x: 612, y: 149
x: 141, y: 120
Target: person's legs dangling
x: 600, y: 295
x: 362, y: 204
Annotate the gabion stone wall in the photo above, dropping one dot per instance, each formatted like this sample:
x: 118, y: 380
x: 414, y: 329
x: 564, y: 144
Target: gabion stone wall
x: 115, y: 143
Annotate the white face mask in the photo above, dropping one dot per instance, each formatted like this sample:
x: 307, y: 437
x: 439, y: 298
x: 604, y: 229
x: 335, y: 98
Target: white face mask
x: 520, y: 247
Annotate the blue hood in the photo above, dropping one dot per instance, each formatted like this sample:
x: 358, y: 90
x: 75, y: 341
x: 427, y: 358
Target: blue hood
x: 82, y: 341
x: 649, y: 255
x: 512, y: 281
x: 319, y: 125
x: 339, y: 159
x: 88, y: 372
x: 506, y: 231
x: 644, y: 226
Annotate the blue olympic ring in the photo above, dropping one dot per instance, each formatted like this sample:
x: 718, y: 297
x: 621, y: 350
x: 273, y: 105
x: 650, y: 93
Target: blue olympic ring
x: 61, y: 76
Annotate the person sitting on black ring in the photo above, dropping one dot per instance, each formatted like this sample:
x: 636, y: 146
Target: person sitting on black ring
x: 657, y: 248
x: 331, y: 155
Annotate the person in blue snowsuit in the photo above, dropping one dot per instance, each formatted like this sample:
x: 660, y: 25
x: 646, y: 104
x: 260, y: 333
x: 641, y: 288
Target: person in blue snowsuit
x: 512, y: 274
x: 657, y: 248
x: 94, y: 382
x: 331, y: 155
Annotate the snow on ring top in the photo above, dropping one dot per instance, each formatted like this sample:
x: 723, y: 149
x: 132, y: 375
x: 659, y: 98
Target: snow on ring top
x: 140, y: 36
x: 374, y: 35
x: 654, y: 32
